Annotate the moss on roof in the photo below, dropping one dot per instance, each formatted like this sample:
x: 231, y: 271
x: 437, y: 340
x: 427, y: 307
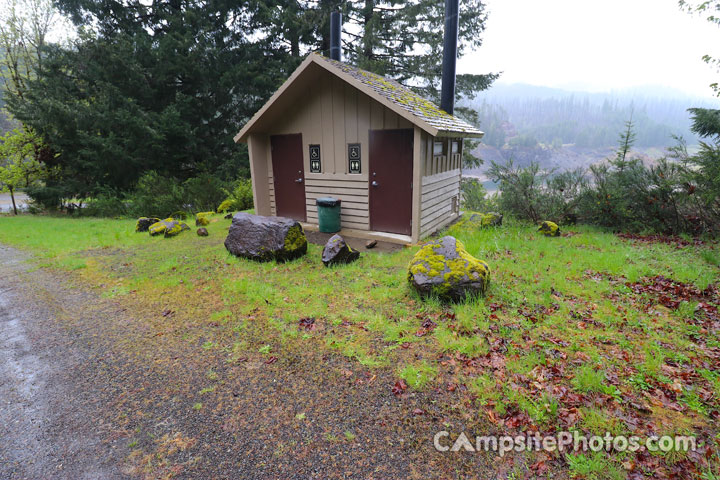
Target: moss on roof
x: 407, y: 99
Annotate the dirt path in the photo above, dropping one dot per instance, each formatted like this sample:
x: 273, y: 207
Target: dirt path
x: 96, y: 388
x: 46, y: 427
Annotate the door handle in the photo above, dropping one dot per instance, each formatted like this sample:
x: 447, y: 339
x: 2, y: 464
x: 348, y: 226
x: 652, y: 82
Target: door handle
x: 299, y: 180
x: 374, y: 183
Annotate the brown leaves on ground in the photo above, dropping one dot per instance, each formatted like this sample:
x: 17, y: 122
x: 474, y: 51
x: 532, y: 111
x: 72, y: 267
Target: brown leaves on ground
x: 679, y: 242
x: 399, y: 387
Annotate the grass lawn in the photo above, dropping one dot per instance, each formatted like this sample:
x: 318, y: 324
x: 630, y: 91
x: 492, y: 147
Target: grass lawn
x: 587, y: 332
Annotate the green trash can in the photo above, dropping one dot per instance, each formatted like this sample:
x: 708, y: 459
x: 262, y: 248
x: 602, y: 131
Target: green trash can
x: 328, y: 214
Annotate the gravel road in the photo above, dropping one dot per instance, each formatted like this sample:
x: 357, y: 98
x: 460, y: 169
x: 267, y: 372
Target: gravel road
x: 47, y: 426
x: 98, y: 388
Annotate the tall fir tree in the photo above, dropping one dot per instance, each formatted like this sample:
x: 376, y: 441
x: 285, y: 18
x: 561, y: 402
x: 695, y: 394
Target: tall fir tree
x: 164, y: 85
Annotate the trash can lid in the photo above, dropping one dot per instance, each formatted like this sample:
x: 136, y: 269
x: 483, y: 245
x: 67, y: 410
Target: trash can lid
x: 328, y: 202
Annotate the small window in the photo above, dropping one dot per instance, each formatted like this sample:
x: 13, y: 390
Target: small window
x: 455, y: 148
x: 354, y: 158
x: 315, y: 165
x: 438, y: 148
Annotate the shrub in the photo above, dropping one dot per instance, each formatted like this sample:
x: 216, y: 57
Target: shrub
x: 241, y: 197
x: 46, y: 197
x: 156, y: 196
x: 703, y: 186
x: 474, y: 195
x: 535, y: 194
x: 106, y: 204
x: 204, y: 192
x: 675, y: 194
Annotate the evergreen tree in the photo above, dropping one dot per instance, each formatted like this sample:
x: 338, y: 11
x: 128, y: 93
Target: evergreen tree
x: 706, y: 122
x: 164, y: 85
x: 161, y: 86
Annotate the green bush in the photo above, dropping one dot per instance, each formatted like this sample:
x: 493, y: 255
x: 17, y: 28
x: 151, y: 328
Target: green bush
x: 156, y: 196
x: 204, y: 192
x: 703, y: 186
x: 106, y: 204
x: 240, y: 198
x: 678, y: 193
x: 474, y: 195
x: 534, y: 194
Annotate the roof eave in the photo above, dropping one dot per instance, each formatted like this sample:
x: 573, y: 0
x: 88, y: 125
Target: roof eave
x: 433, y: 131
x: 459, y: 134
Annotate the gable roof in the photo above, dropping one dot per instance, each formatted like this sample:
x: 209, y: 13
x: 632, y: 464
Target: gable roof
x: 391, y: 94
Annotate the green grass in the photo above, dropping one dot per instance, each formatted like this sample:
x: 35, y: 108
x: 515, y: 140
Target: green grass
x: 557, y: 313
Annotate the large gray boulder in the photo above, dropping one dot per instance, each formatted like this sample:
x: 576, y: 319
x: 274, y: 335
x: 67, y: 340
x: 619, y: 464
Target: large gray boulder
x: 337, y: 251
x: 445, y: 269
x: 265, y: 238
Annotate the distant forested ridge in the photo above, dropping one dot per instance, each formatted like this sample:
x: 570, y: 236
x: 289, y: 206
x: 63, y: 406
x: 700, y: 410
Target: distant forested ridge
x: 523, y: 116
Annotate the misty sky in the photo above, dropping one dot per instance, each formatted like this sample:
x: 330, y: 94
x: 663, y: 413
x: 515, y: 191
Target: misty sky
x: 596, y: 45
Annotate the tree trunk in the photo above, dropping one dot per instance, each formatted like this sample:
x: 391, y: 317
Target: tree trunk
x: 12, y: 197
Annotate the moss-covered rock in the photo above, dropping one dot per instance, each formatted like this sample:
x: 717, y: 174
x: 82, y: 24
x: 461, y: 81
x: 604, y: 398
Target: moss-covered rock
x: 143, y: 223
x: 337, y: 251
x: 158, y: 228
x: 490, y: 219
x: 265, y: 238
x: 446, y: 269
x: 175, y: 228
x: 202, y: 219
x: 549, y: 229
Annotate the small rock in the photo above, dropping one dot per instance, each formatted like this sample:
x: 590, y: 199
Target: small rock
x: 202, y: 232
x: 143, y: 223
x: 549, y: 229
x: 371, y: 244
x: 229, y: 216
x: 337, y: 251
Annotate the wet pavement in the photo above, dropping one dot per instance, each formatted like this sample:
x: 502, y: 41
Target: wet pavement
x: 21, y: 201
x: 45, y: 428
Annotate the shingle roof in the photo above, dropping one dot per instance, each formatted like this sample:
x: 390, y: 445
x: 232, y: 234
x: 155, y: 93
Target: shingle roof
x: 406, y: 99
x: 391, y: 94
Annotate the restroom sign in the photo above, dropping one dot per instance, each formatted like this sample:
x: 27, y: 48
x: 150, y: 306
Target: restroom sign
x: 354, y: 157
x: 315, y: 166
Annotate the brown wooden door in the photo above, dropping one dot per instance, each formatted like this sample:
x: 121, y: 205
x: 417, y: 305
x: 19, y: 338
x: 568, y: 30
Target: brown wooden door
x: 288, y: 176
x: 390, y: 180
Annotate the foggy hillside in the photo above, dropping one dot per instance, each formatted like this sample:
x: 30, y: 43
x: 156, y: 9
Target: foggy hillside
x: 564, y: 129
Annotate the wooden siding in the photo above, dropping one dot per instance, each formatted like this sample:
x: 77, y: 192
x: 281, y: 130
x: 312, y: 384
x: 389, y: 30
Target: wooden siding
x: 435, y: 164
x: 354, y: 212
x: 271, y: 186
x: 439, y: 191
x: 259, y: 149
x: 334, y: 114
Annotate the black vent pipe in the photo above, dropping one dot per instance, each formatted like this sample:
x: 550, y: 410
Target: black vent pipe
x: 447, y: 93
x: 335, y: 31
